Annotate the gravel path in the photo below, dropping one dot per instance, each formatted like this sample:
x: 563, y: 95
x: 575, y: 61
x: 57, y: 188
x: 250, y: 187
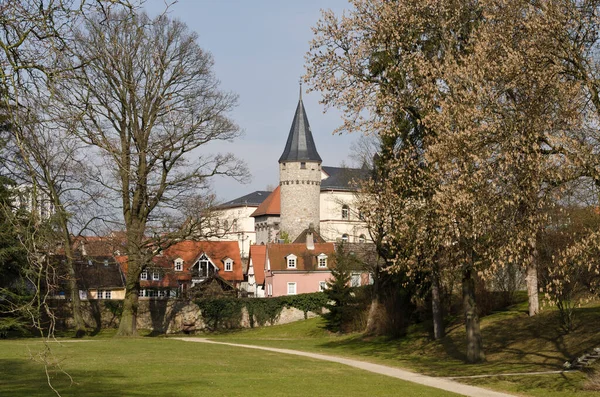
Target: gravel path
x: 439, y: 383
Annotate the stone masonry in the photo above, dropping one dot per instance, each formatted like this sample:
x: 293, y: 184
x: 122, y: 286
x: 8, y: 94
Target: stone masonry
x: 300, y: 196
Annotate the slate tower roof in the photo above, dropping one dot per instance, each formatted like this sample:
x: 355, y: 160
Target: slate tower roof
x: 300, y: 144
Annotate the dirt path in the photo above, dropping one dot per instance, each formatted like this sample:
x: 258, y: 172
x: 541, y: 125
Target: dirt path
x: 439, y: 383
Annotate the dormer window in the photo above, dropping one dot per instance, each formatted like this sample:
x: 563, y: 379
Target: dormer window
x: 291, y: 261
x: 345, y: 212
x: 144, y: 275
x: 322, y: 261
x: 178, y: 265
x: 228, y: 265
x: 155, y: 276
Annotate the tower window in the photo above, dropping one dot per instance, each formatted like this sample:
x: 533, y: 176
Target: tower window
x: 303, y: 165
x: 345, y: 212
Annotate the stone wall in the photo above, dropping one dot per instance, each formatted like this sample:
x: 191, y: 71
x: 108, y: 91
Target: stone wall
x: 168, y: 316
x: 300, y: 197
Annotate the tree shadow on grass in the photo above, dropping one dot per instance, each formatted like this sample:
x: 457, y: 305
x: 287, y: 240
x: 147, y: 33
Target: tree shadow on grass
x: 24, y: 378
x: 512, y: 343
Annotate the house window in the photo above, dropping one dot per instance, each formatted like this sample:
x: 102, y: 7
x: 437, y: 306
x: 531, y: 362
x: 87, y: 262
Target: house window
x: 106, y: 262
x: 100, y: 294
x: 291, y: 290
x: 83, y: 294
x: 362, y: 238
x: 107, y: 294
x: 303, y: 165
x: 144, y: 275
x: 355, y: 280
x: 270, y: 289
x: 155, y: 276
x: 142, y: 293
x: 291, y: 261
x: 162, y: 293
x: 345, y: 212
x: 228, y: 265
x: 178, y: 265
x: 344, y: 238
x: 322, y: 260
x: 322, y: 286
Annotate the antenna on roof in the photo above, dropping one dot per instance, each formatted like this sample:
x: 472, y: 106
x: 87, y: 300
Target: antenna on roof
x: 300, y: 82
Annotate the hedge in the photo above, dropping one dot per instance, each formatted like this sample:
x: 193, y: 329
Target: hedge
x: 226, y: 313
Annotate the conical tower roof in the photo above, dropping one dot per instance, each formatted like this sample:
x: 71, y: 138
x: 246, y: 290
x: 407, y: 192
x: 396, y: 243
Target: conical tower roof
x: 300, y: 145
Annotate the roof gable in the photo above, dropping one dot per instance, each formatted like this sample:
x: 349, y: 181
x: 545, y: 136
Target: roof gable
x: 271, y: 205
x: 191, y: 251
x: 258, y: 256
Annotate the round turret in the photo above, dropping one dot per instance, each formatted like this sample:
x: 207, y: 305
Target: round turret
x: 300, y: 178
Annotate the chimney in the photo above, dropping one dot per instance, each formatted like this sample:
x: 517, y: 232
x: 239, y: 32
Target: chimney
x: 310, y: 240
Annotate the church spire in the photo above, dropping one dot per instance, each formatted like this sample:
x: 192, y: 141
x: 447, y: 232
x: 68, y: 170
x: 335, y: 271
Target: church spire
x: 300, y: 145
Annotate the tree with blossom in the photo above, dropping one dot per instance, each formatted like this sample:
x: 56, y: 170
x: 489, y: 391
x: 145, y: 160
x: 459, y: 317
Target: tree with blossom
x: 481, y: 84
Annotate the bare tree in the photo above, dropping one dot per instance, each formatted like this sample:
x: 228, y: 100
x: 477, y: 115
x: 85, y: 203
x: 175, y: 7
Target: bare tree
x: 148, y: 101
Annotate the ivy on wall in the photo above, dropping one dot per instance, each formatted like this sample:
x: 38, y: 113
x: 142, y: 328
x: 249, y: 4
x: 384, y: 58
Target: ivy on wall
x: 226, y: 313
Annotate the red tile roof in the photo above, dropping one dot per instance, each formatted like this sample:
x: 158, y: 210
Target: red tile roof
x: 258, y: 255
x: 306, y: 259
x: 271, y: 205
x: 190, y: 251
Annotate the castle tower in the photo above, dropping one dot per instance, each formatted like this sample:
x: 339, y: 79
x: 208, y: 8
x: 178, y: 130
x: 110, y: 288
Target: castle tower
x: 300, y: 177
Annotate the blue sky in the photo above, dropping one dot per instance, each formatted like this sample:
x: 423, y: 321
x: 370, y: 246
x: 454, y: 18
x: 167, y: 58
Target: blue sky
x: 258, y: 48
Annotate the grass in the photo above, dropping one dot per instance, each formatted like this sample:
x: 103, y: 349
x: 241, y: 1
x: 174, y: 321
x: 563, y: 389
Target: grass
x: 167, y: 367
x: 513, y: 342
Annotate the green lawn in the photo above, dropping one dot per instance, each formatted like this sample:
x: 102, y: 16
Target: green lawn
x: 167, y: 367
x: 513, y: 342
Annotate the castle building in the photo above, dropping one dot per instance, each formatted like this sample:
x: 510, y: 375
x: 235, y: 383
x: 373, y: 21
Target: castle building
x: 309, y: 196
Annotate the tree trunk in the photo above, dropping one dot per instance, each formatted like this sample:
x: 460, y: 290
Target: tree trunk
x: 128, y: 323
x: 436, y: 307
x: 374, y: 326
x: 474, y: 341
x: 80, y: 329
x: 532, y: 286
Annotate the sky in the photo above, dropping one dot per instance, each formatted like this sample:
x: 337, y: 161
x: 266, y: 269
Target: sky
x: 258, y: 48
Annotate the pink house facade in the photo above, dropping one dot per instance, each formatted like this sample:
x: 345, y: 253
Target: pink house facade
x: 292, y: 269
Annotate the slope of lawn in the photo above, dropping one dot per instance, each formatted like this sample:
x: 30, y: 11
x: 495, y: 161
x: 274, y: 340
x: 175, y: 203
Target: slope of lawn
x: 167, y: 367
x: 513, y: 342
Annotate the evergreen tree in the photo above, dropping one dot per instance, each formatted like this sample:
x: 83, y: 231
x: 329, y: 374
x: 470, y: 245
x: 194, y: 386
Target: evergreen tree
x: 339, y: 292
